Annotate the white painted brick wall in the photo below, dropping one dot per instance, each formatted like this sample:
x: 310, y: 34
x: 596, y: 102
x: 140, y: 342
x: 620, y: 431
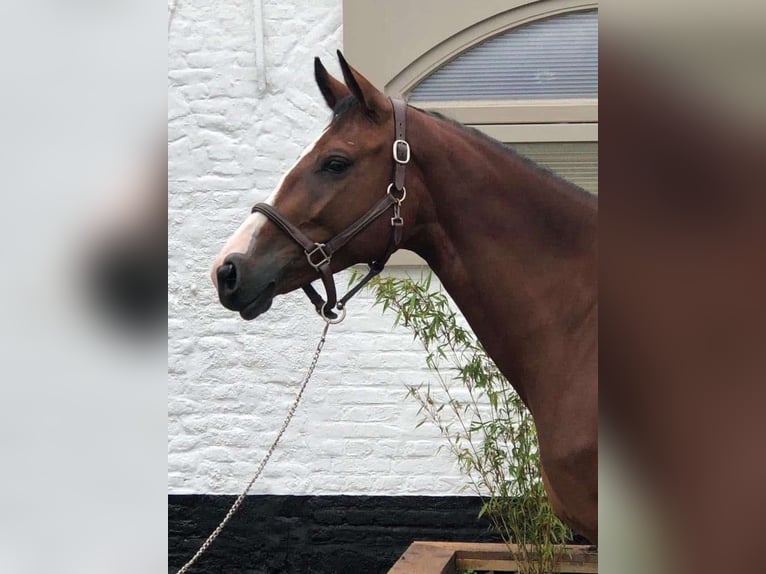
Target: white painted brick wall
x: 231, y: 382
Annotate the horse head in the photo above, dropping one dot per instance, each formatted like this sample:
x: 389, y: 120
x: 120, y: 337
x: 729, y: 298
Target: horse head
x: 333, y: 184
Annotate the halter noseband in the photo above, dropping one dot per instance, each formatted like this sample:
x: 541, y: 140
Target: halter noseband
x: 319, y: 255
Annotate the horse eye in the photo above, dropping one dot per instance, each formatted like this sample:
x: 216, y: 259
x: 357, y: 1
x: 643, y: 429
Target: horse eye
x: 335, y: 165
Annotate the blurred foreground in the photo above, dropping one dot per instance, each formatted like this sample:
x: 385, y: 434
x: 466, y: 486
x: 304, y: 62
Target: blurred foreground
x: 82, y: 385
x: 683, y: 278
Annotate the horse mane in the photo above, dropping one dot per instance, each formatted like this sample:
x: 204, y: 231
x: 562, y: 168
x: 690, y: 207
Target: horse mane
x: 507, y: 149
x: 349, y: 102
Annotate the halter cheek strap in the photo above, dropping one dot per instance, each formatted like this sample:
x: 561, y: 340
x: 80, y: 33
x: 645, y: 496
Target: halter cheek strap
x: 319, y: 255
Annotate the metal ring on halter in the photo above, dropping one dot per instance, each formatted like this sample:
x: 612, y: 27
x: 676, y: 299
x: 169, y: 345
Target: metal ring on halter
x: 335, y: 321
x: 398, y: 199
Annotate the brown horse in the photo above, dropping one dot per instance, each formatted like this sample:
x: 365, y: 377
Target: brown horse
x: 513, y: 245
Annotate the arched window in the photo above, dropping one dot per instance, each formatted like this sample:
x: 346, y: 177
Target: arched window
x: 552, y: 58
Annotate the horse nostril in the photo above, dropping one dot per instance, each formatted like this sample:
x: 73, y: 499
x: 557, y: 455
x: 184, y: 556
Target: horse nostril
x: 227, y: 277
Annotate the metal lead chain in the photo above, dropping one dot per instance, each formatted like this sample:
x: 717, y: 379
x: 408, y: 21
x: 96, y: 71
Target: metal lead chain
x: 241, y: 498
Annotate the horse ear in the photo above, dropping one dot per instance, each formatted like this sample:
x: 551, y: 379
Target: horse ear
x: 371, y: 98
x: 332, y: 90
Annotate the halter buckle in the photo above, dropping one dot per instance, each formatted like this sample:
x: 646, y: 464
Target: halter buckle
x: 319, y: 248
x: 397, y: 157
x: 398, y: 200
x: 397, y: 221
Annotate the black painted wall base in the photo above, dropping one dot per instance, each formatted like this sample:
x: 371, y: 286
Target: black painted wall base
x: 316, y: 534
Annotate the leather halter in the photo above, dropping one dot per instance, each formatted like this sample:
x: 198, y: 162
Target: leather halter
x: 319, y: 255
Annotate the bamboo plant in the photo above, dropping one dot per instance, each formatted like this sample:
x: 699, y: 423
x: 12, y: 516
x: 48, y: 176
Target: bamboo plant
x: 485, y: 424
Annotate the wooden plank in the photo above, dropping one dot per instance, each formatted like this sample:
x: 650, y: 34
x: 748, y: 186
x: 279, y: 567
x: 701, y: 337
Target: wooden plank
x: 448, y: 557
x: 425, y: 558
x: 500, y: 565
x: 575, y: 552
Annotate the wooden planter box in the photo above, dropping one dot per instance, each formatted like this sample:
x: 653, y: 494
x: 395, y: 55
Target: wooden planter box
x: 455, y: 557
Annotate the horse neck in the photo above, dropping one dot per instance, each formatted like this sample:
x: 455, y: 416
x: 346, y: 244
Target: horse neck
x: 514, y: 246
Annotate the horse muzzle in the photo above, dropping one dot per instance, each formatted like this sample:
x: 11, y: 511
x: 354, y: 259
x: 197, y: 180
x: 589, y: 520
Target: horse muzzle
x: 242, y: 289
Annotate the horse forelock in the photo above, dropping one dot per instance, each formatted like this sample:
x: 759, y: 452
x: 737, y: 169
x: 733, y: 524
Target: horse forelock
x: 344, y: 105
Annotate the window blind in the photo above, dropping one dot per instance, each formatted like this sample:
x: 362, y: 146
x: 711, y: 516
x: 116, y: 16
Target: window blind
x: 573, y: 161
x: 556, y: 57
